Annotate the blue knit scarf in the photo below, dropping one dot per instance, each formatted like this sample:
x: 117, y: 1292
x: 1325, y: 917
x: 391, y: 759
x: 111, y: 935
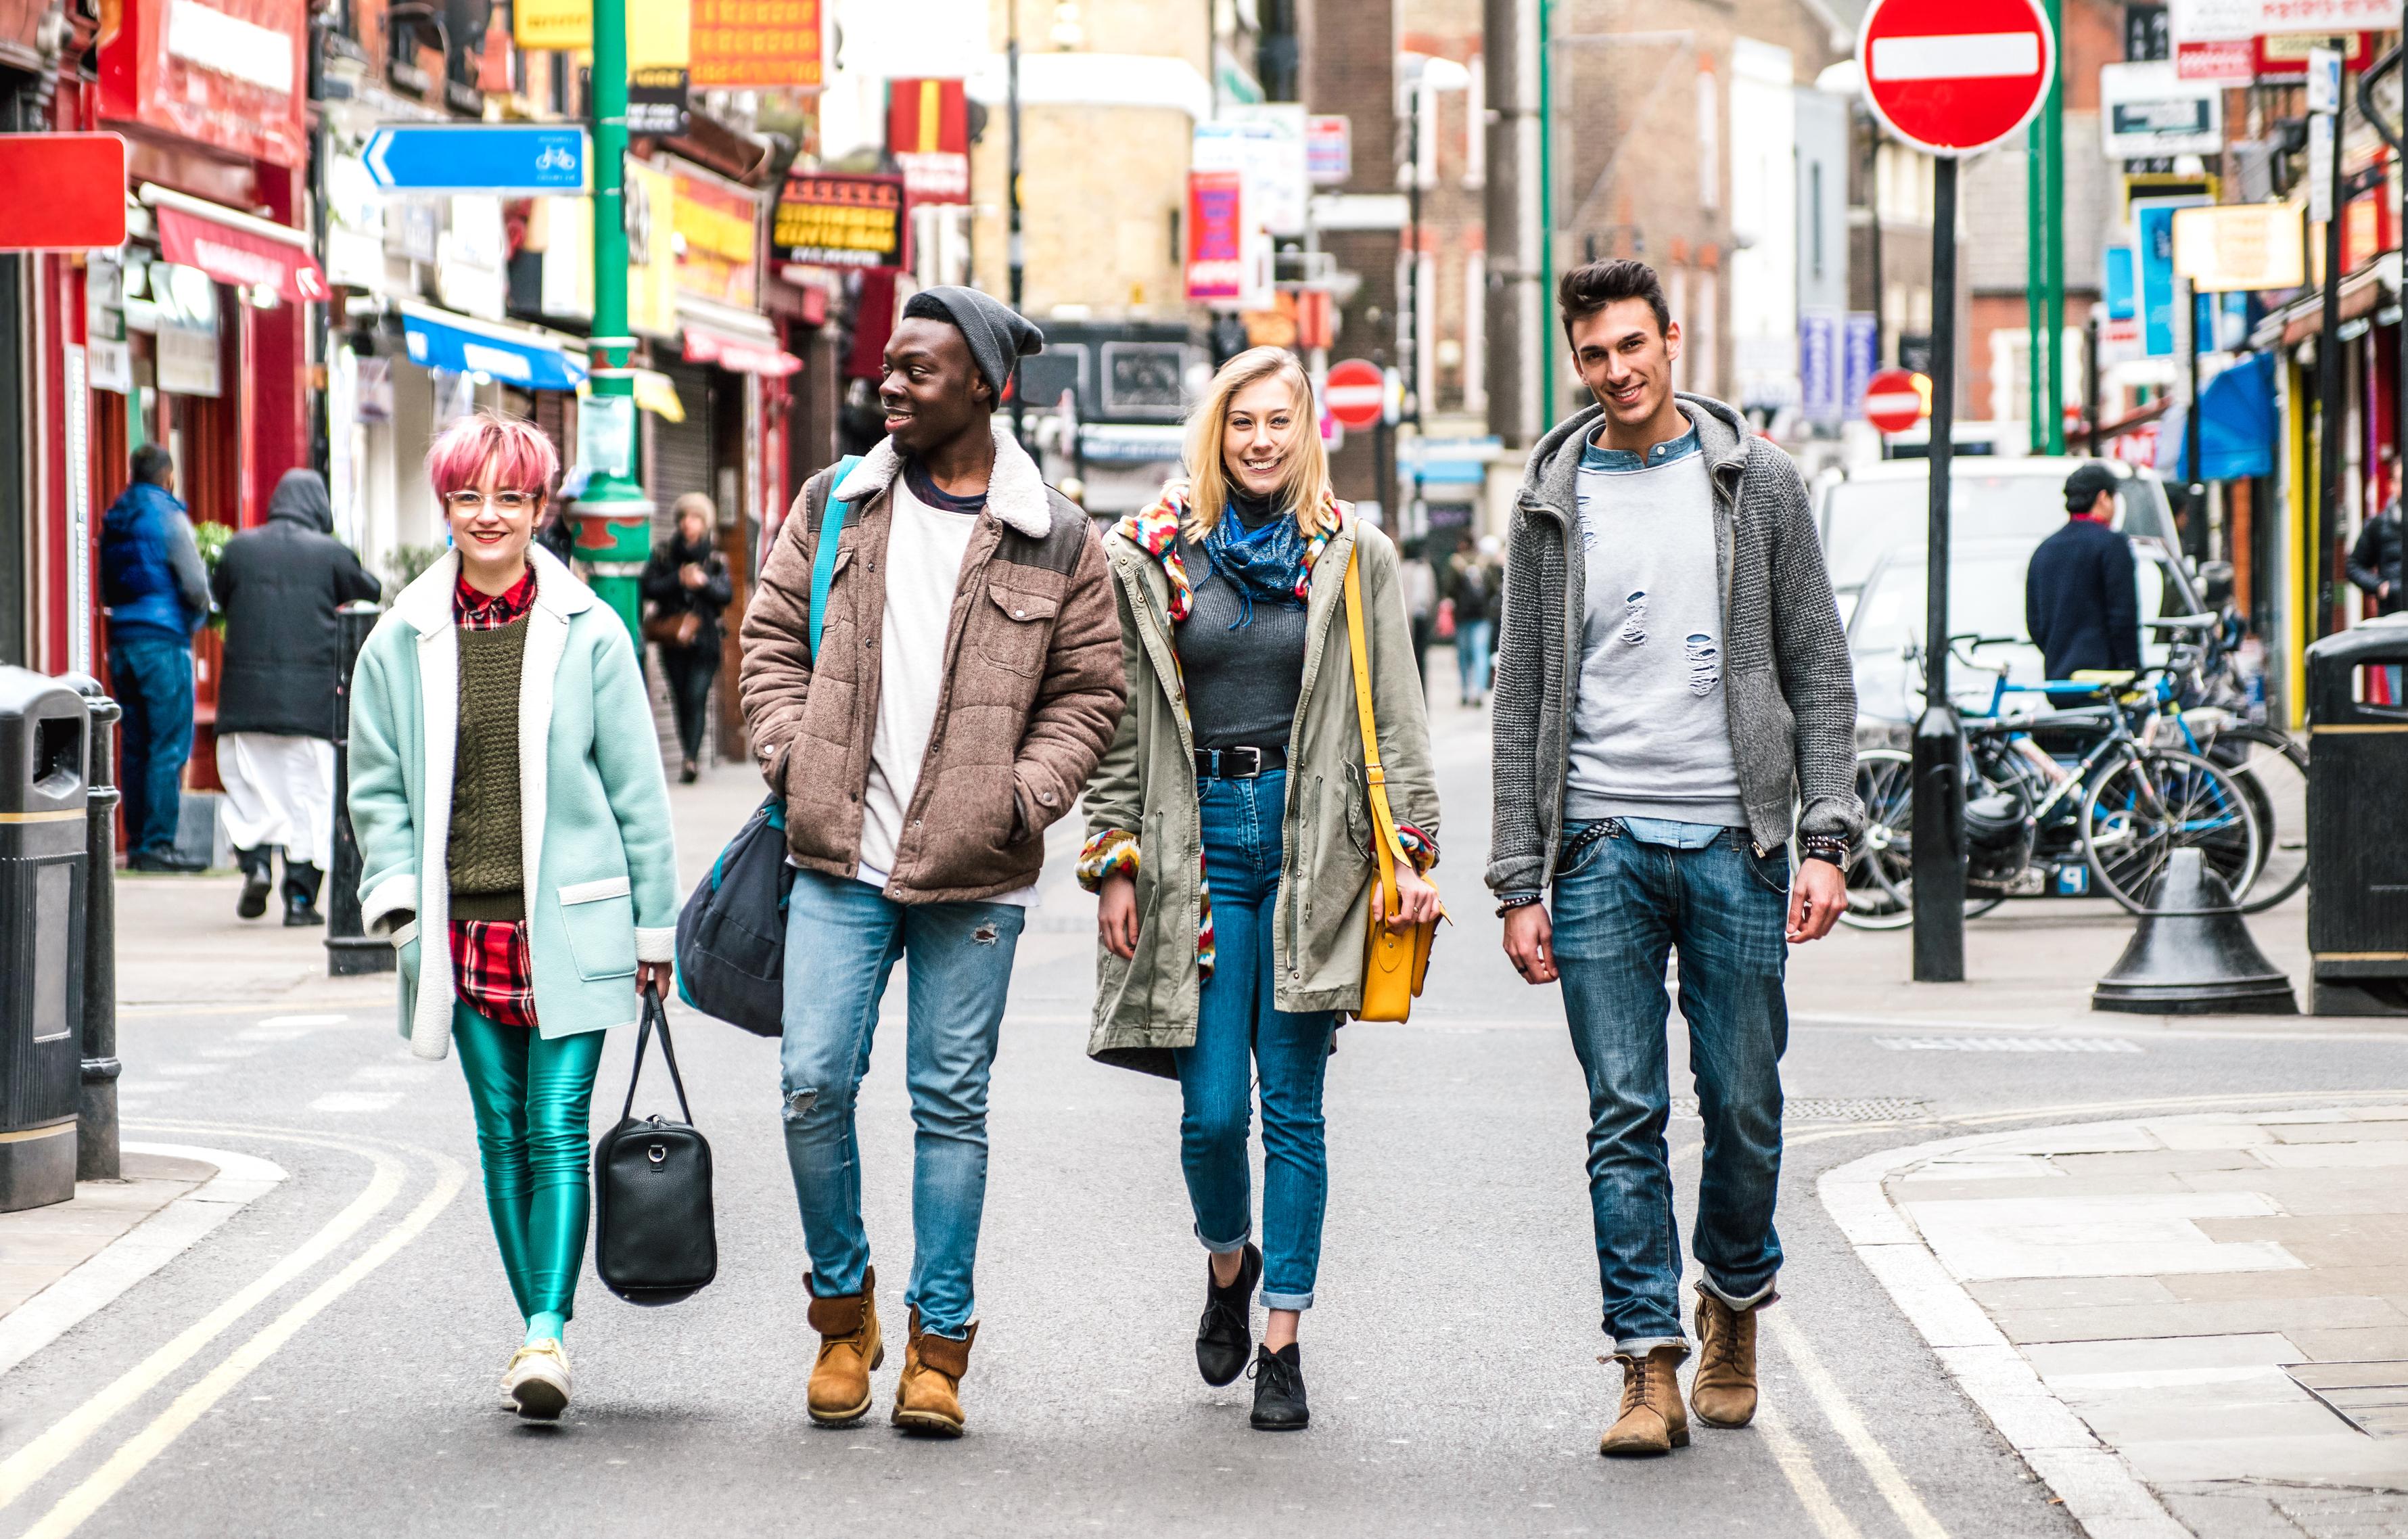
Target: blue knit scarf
x: 1266, y: 564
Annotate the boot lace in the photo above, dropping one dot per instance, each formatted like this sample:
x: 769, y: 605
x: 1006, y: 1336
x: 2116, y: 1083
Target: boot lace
x: 1634, y: 1384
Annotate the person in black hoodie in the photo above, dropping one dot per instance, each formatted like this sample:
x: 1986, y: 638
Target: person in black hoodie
x: 2374, y: 562
x: 2082, y: 596
x: 279, y: 586
x: 687, y: 582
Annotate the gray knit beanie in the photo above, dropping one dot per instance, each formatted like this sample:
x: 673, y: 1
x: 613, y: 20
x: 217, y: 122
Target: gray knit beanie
x: 998, y: 334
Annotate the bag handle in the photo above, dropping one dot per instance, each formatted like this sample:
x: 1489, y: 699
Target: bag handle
x: 824, y: 561
x: 654, y: 1014
x: 1387, y: 846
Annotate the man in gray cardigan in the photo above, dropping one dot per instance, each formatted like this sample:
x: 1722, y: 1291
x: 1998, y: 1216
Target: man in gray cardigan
x: 1672, y: 687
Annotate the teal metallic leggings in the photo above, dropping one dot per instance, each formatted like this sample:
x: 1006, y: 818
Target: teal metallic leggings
x: 531, y: 1097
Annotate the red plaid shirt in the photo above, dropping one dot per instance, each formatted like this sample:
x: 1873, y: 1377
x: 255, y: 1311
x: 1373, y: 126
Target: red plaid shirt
x: 491, y: 969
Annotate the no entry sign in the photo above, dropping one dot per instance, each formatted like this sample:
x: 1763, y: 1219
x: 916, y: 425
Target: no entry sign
x: 1892, y: 404
x: 1952, y: 77
x: 59, y: 192
x: 1355, y: 393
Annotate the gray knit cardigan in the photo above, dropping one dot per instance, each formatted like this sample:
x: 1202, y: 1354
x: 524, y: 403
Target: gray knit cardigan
x: 1788, y: 685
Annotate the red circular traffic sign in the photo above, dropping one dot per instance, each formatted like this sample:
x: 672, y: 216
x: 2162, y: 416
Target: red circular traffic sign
x: 1355, y: 393
x: 1952, y: 77
x: 1892, y: 403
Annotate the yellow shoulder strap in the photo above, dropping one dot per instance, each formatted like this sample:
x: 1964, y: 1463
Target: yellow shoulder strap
x: 1386, y: 845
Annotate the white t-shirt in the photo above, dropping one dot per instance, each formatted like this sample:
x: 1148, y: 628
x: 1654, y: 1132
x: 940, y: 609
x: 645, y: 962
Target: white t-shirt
x: 925, y: 546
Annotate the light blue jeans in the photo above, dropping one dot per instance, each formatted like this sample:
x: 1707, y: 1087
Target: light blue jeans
x: 842, y: 941
x: 1620, y: 907
x: 1471, y: 642
x: 1241, y: 1038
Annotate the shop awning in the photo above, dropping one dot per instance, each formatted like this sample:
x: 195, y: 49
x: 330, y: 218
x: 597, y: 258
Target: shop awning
x: 2236, y: 424
x: 233, y: 247
x: 2361, y: 292
x: 740, y: 341
x: 529, y: 359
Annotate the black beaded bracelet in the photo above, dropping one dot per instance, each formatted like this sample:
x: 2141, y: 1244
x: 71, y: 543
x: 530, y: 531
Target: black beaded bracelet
x: 1519, y: 900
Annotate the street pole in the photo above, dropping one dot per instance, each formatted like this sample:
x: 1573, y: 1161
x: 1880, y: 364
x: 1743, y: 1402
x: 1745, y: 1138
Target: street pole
x: 2329, y: 375
x: 2052, y: 112
x: 350, y: 950
x: 1938, y: 753
x: 2194, y: 532
x: 1516, y: 330
x: 96, y: 1146
x: 615, y: 518
x: 2035, y: 276
x: 1017, y: 249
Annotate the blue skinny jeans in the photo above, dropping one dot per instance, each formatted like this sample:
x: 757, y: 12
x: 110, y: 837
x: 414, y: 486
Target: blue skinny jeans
x: 533, y: 1099
x: 152, y: 678
x: 1240, y: 1035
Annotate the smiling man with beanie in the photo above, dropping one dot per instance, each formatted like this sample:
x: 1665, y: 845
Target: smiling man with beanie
x: 968, y: 678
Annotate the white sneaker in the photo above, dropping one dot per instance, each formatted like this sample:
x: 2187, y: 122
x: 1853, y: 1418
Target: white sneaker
x: 536, y: 1383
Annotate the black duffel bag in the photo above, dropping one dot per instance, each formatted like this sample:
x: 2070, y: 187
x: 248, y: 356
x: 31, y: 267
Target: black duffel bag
x: 731, y: 938
x: 653, y: 1239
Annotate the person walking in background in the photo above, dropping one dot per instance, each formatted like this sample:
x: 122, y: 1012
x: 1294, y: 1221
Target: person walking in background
x: 1673, y: 682
x: 686, y: 580
x: 1419, y: 584
x: 2082, y: 596
x: 963, y: 680
x: 2374, y: 562
x: 1476, y: 583
x: 1248, y: 749
x: 514, y: 844
x: 157, y: 594
x: 278, y: 587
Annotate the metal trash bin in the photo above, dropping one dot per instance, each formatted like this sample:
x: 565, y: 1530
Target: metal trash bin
x: 43, y: 730
x: 2357, y: 841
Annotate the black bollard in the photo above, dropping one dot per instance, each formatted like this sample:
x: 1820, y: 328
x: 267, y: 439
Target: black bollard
x: 97, y: 1137
x: 2192, y: 955
x: 348, y: 951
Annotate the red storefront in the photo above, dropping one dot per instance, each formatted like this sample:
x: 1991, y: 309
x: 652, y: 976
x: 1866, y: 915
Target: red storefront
x: 197, y: 334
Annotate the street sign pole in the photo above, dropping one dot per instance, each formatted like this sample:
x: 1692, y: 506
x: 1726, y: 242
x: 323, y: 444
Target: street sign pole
x: 614, y: 535
x: 1938, y: 737
x: 2052, y: 114
x: 2325, y: 119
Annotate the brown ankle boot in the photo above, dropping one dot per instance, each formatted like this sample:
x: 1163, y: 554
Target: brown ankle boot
x: 1651, y: 1420
x: 1723, y: 1389
x: 928, y: 1396
x: 850, y: 1346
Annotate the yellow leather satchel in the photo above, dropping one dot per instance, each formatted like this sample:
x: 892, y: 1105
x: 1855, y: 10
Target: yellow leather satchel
x: 1394, y: 961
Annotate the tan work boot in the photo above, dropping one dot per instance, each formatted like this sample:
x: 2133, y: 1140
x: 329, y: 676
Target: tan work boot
x: 1723, y: 1389
x: 850, y: 1346
x: 1651, y: 1420
x: 928, y: 1396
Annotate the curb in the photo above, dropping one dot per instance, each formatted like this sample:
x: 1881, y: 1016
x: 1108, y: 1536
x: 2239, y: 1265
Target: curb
x: 103, y: 1278
x: 2099, y: 1489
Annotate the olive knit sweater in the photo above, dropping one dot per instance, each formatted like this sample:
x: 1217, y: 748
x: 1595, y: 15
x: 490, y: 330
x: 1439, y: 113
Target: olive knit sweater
x: 485, y: 859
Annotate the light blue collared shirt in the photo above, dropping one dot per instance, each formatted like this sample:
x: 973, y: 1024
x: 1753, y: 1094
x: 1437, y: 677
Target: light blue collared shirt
x: 1622, y: 460
x: 1669, y: 833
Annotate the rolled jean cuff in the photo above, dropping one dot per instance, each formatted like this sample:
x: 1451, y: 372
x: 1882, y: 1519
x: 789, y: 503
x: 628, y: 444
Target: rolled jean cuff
x: 1738, y: 1300
x: 1287, y: 1300
x: 1638, y: 1347
x: 1220, y: 1247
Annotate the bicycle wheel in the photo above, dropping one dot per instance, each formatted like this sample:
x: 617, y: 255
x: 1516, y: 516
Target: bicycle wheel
x: 2144, y: 807
x: 2273, y: 773
x: 1880, y: 869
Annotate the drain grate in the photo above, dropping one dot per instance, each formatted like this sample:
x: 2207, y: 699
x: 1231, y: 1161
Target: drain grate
x: 2371, y: 1396
x: 2007, y: 1044
x: 1828, y: 1109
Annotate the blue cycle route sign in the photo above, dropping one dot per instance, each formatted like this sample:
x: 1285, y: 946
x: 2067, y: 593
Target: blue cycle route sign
x: 511, y: 160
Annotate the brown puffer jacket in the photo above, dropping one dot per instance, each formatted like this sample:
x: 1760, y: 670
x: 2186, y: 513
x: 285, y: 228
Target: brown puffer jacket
x: 1034, y: 682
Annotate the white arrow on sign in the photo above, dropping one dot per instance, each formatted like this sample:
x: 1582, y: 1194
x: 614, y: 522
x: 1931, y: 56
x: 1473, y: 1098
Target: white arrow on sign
x: 373, y: 157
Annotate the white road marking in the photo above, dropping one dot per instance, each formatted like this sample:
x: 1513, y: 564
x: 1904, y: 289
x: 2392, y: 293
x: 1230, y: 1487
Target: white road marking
x: 1964, y: 56
x: 139, y: 1450
x: 1841, y: 1414
x: 29, y: 1465
x: 229, y: 1051
x: 356, y: 1100
x: 412, y: 1072
x: 188, y: 1071
x: 2007, y: 1044
x: 287, y: 1027
x: 1797, y: 1466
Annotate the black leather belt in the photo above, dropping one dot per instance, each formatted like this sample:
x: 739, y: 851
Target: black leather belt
x: 1238, y: 763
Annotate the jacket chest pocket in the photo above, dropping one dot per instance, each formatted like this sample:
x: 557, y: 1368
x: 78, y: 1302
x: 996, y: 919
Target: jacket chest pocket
x: 600, y: 919
x: 1019, y: 628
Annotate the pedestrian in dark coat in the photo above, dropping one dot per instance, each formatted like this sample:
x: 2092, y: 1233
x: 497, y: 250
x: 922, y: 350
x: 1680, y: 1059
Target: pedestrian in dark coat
x: 157, y: 594
x: 687, y: 579
x: 2374, y: 562
x: 279, y: 586
x: 2082, y: 596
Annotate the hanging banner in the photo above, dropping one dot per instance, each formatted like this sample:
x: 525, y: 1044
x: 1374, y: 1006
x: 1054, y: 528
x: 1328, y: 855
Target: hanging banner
x: 755, y: 44
x: 824, y: 219
x: 651, y: 250
x: 1216, y: 235
x: 657, y: 101
x: 238, y: 256
x: 715, y: 222
x: 2153, y: 225
x: 927, y: 131
x: 2239, y: 246
x: 233, y: 75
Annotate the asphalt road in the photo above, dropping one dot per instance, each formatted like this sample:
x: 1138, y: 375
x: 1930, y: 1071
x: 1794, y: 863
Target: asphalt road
x: 1454, y: 1360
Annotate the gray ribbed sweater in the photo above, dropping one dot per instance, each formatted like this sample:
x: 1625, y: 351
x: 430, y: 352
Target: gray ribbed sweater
x: 1788, y: 686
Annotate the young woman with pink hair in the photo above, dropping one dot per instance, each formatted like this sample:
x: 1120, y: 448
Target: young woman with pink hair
x: 513, y: 828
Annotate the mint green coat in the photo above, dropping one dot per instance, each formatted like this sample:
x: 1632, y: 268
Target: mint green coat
x: 601, y: 870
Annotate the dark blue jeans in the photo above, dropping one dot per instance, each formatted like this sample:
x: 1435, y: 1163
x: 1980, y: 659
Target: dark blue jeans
x: 1242, y: 1035
x: 1619, y: 908
x: 152, y: 678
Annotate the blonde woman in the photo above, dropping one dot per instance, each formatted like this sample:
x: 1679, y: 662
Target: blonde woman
x: 1241, y: 740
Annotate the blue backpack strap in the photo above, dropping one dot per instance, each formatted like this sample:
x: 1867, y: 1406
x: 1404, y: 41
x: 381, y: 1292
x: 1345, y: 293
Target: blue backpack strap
x: 824, y: 558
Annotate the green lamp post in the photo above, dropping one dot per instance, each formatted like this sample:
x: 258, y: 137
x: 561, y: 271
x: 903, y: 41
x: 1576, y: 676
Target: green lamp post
x: 614, y: 534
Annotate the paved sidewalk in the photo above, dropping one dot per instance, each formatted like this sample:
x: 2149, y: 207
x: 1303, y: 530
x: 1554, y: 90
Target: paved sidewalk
x: 2185, y: 1324
x: 39, y: 1246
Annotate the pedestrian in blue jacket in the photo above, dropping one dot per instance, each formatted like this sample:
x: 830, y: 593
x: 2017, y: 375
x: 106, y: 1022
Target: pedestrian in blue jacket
x: 2082, y: 597
x: 157, y: 594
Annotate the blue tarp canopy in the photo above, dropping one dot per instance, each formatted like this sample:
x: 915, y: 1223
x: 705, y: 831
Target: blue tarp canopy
x: 526, y: 359
x: 2236, y: 424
